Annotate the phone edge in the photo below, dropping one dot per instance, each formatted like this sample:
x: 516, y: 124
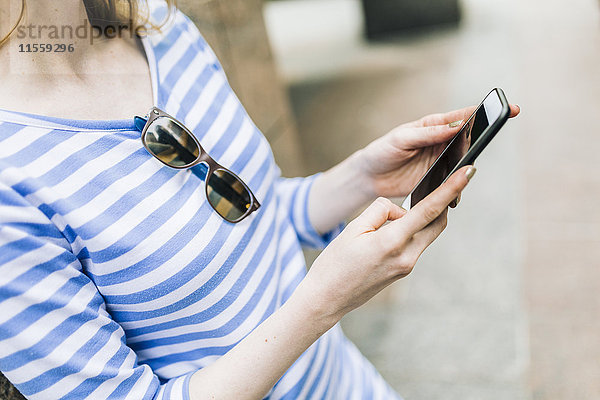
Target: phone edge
x: 494, y: 129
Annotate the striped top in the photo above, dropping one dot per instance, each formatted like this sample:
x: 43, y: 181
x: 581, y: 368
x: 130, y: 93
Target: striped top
x: 117, y: 278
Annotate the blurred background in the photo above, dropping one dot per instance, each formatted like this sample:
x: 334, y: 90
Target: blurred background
x: 506, y: 304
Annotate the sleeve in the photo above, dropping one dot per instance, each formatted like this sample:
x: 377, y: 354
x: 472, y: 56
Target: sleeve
x: 293, y: 194
x: 57, y: 340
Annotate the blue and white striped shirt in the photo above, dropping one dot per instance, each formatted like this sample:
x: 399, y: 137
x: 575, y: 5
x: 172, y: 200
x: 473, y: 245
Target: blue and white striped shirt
x: 118, y: 280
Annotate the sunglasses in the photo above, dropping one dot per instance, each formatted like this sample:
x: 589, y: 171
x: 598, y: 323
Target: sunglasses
x: 174, y: 145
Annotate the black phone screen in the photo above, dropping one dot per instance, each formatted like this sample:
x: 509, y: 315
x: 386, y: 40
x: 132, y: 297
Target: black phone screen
x: 472, y: 130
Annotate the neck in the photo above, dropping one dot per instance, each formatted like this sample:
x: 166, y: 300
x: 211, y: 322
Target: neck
x: 54, y: 37
x: 90, y: 77
x: 52, y: 12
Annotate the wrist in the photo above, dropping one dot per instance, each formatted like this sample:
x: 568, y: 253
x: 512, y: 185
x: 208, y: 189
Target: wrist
x: 361, y: 182
x: 308, y: 303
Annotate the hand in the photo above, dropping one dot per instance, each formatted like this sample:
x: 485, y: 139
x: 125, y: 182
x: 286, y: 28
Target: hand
x: 392, y: 164
x: 370, y: 254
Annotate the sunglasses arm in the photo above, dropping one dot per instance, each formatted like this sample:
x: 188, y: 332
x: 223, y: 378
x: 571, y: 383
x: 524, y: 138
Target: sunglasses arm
x: 140, y: 123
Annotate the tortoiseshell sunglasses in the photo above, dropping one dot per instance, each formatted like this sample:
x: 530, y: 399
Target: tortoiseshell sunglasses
x: 176, y: 146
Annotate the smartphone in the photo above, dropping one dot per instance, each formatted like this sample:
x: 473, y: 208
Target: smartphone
x: 475, y: 134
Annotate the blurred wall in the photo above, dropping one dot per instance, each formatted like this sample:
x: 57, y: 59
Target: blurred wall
x: 236, y: 31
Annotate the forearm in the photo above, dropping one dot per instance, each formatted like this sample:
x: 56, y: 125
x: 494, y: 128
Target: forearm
x: 338, y: 193
x: 253, y: 366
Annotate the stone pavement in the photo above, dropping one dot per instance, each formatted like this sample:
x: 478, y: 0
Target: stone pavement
x: 506, y: 304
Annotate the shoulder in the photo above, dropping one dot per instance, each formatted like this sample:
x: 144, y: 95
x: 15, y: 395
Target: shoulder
x: 176, y: 29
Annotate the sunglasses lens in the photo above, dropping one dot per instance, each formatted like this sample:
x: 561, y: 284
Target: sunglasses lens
x: 228, y: 195
x: 169, y: 142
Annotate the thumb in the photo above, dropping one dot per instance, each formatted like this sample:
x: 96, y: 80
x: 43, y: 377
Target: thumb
x: 377, y: 214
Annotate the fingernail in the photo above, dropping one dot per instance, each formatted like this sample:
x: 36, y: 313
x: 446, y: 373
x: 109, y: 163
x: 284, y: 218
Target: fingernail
x: 455, y: 123
x: 470, y: 173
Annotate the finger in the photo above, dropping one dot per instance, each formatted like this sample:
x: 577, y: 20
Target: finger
x: 426, y: 136
x: 446, y: 118
x: 423, y: 239
x: 377, y: 214
x: 514, y: 110
x: 431, y: 232
x: 456, y: 115
x: 428, y: 209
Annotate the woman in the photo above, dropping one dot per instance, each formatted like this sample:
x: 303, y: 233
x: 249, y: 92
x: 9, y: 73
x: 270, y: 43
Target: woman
x: 122, y: 276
